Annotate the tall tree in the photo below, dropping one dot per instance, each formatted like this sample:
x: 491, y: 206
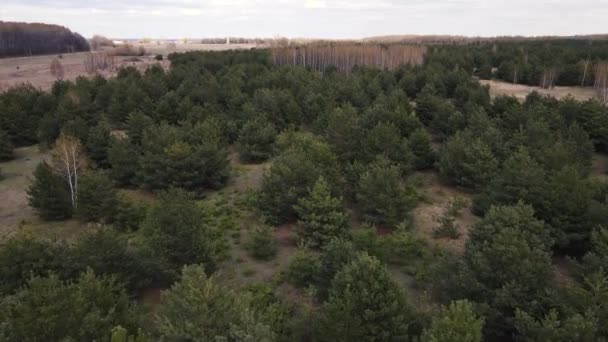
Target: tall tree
x: 69, y: 161
x: 365, y: 304
x: 198, y: 308
x: 321, y: 216
x: 177, y: 232
x: 48, y: 194
x: 456, y: 323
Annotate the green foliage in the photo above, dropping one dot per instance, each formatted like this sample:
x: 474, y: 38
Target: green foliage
x: 48, y: 194
x: 382, y: 196
x: 6, y: 147
x: 121, y: 154
x: 256, y: 140
x: 335, y: 254
x: 176, y: 232
x: 97, y: 144
x: 97, y: 199
x: 511, y: 240
x: 456, y: 323
x: 447, y: 227
x: 48, y: 309
x: 128, y: 214
x: 191, y: 159
x: 553, y: 329
x: 420, y: 145
x: 301, y: 162
x: 137, y: 123
x: 23, y: 256
x: 262, y: 244
x: 109, y: 254
x: 321, y: 216
x: 302, y: 268
x: 365, y: 304
x: 467, y: 161
x: 198, y: 308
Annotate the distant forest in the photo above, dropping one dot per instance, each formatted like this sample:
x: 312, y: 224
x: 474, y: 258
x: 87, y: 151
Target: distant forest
x: 25, y: 39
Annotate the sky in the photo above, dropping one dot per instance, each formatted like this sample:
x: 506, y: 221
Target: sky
x: 312, y: 18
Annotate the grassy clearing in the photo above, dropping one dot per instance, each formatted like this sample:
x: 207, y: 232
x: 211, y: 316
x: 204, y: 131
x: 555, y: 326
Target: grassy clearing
x: 14, y: 208
x: 599, y: 166
x: 520, y: 91
x: 437, y: 198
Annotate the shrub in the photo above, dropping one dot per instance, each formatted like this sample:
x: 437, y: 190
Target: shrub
x: 302, y: 268
x: 262, y: 244
x: 158, y: 57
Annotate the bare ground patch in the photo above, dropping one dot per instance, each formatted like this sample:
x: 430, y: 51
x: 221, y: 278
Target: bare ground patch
x: 438, y: 196
x: 520, y: 91
x: 599, y: 166
x: 14, y: 207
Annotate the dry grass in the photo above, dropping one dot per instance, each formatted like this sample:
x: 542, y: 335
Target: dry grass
x: 520, y: 91
x: 599, y: 166
x: 438, y: 197
x: 36, y: 70
x: 14, y: 208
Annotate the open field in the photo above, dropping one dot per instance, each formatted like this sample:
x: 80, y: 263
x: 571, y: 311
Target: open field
x: 520, y: 91
x: 36, y: 69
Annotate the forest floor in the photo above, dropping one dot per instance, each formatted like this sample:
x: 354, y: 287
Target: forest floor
x: 599, y: 166
x: 36, y: 69
x: 520, y: 91
x: 437, y: 198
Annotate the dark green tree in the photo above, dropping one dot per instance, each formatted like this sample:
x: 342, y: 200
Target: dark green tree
x: 175, y: 230
x: 256, y: 139
x: 321, y: 215
x: 292, y: 174
x: 50, y: 310
x: 365, y: 304
x: 467, y: 161
x: 420, y: 144
x: 48, y: 194
x: 382, y: 196
x: 6, y: 147
x: 199, y: 308
x: 456, y: 323
x: 121, y: 157
x: 97, y: 198
x: 262, y: 243
x: 335, y: 254
x: 97, y: 144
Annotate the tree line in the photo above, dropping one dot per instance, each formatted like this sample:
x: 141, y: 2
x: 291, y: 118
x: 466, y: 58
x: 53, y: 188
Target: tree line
x: 30, y: 39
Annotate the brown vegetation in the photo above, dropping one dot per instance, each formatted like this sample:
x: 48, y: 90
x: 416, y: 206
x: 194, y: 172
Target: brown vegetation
x: 57, y: 69
x: 94, y: 62
x: 344, y: 56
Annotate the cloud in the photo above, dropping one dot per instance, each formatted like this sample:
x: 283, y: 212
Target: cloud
x: 313, y: 18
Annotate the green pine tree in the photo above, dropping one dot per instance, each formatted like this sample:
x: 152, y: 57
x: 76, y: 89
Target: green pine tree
x: 321, y: 215
x: 48, y: 194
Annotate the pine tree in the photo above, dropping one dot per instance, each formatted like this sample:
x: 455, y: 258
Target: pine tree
x: 98, y: 143
x: 456, y: 323
x: 199, y: 308
x: 420, y: 144
x: 365, y: 304
x: 97, y: 197
x: 121, y: 156
x: 382, y: 196
x: 48, y: 194
x: 6, y: 147
x: 336, y: 253
x: 321, y: 216
x: 256, y: 140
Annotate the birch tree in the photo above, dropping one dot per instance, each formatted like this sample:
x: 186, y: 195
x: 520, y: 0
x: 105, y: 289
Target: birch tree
x: 69, y: 160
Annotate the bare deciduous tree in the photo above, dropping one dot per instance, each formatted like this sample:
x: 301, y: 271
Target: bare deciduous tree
x: 601, y: 81
x: 94, y: 62
x: 57, y: 69
x: 344, y: 56
x: 69, y: 161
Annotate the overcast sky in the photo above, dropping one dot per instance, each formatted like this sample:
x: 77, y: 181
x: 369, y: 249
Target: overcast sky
x: 312, y: 18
